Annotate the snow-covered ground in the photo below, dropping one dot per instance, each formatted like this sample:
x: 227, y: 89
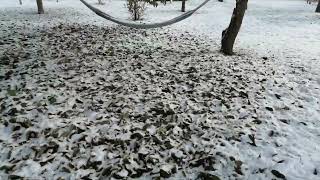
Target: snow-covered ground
x: 81, y: 96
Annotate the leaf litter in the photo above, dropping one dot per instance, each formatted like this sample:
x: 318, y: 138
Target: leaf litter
x: 82, y: 101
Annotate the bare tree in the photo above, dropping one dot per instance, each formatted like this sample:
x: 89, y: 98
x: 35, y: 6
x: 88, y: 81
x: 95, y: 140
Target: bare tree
x: 318, y: 7
x: 229, y: 35
x: 183, y: 6
x: 40, y: 7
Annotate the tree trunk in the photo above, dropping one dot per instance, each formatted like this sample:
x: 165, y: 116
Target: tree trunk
x: 318, y: 7
x: 40, y: 7
x: 135, y: 7
x: 20, y: 1
x: 229, y: 35
x: 183, y: 6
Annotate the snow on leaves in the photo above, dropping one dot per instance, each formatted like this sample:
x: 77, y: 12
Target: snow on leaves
x: 90, y: 102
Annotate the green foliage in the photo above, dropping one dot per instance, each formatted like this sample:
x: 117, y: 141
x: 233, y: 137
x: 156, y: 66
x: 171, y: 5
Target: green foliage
x: 12, y: 92
x: 52, y: 99
x: 137, y: 7
x: 155, y: 3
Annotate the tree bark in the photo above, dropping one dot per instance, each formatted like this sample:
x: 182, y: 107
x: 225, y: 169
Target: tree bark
x: 183, y: 6
x: 318, y: 7
x: 40, y: 7
x: 229, y: 35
